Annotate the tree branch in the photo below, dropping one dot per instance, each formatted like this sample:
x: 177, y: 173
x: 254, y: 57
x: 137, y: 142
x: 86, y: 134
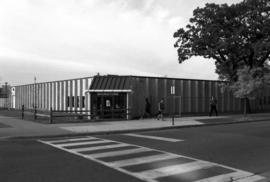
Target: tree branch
x: 261, y: 62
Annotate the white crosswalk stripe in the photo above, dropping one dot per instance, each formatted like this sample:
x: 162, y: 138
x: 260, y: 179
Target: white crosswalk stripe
x: 83, y: 149
x: 235, y: 176
x: 106, y: 148
x: 71, y: 139
x: 81, y: 143
x: 175, y: 169
x: 154, y: 137
x: 250, y: 179
x: 141, y: 160
x: 117, y: 153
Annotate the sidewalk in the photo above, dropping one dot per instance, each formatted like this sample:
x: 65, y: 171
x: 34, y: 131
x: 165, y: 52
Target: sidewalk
x: 12, y: 127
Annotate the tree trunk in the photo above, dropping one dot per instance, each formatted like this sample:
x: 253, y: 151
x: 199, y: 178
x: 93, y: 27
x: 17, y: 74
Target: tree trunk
x: 245, y: 106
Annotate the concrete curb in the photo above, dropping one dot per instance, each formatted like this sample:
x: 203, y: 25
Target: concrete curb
x: 130, y: 130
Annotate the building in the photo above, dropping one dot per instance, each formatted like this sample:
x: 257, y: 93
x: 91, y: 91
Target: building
x: 61, y: 95
x: 113, y: 96
x: 182, y: 96
x: 4, y: 96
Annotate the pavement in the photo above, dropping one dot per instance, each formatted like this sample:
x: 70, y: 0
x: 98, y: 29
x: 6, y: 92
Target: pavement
x: 12, y: 127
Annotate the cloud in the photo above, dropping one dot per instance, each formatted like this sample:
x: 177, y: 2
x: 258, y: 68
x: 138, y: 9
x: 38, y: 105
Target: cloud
x: 83, y: 37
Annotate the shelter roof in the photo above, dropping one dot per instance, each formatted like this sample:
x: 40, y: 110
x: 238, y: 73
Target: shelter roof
x: 111, y: 83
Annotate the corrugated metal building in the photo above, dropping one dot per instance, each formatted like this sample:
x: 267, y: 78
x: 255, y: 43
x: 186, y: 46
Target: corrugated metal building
x: 124, y: 96
x: 60, y: 95
x: 180, y: 95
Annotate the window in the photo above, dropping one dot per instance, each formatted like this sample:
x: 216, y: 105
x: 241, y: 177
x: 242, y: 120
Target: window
x: 67, y: 101
x: 78, y: 101
x: 73, y: 101
x: 83, y: 101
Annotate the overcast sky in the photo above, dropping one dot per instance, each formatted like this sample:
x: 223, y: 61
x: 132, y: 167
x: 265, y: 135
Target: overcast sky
x: 62, y: 39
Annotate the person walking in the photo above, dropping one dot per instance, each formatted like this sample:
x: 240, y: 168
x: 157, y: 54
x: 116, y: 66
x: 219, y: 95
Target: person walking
x: 213, y: 106
x: 147, y: 112
x: 161, y: 108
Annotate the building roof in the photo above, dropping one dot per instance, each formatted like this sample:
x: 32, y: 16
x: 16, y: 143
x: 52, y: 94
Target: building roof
x: 111, y: 83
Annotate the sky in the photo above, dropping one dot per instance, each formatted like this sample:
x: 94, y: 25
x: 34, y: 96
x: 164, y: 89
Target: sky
x: 64, y: 39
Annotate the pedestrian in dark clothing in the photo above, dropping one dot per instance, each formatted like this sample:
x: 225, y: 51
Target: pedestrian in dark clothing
x: 161, y: 108
x: 213, y: 106
x: 147, y: 112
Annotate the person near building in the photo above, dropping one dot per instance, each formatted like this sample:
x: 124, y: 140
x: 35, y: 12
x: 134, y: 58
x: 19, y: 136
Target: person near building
x: 147, y: 112
x: 213, y: 106
x: 161, y: 108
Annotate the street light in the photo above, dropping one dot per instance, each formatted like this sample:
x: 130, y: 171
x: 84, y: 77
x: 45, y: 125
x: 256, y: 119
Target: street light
x: 35, y: 79
x: 35, y: 95
x: 6, y: 94
x: 173, y: 98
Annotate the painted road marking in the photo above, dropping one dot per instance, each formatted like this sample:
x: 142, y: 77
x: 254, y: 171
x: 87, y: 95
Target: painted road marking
x: 235, y: 176
x: 70, y: 139
x: 127, y: 160
x: 141, y: 160
x: 154, y: 137
x: 99, y: 147
x: 85, y: 140
x: 157, y: 164
x: 117, y: 153
x: 90, y: 145
x: 175, y: 169
x: 250, y: 179
x: 81, y: 143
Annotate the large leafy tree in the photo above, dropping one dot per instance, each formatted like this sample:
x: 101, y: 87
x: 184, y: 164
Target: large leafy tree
x: 251, y: 83
x: 234, y: 36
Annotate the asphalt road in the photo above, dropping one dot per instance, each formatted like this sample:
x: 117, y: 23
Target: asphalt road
x: 220, y: 149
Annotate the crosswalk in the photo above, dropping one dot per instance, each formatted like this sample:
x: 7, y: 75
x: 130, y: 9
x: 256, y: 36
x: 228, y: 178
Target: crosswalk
x: 149, y: 164
x: 154, y: 137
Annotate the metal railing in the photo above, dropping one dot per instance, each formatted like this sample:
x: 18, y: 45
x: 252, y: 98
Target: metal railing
x: 95, y: 114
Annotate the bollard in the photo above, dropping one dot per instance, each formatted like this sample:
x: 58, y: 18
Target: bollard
x: 51, y: 116
x: 35, y: 113
x: 22, y: 111
x: 172, y: 120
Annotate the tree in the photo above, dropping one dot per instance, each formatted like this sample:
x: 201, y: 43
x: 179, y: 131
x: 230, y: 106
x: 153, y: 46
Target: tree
x: 250, y: 83
x: 236, y: 36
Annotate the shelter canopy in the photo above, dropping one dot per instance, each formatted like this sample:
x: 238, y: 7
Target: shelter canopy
x: 111, y: 83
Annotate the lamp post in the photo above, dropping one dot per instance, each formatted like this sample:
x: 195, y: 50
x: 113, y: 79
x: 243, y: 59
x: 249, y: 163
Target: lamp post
x: 35, y: 97
x: 34, y: 104
x: 173, y: 98
x: 6, y: 94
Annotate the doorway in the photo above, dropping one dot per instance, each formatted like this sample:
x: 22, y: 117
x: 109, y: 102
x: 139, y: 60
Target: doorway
x: 108, y: 105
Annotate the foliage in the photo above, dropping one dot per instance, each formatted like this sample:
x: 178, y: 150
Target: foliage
x: 234, y: 36
x: 250, y: 82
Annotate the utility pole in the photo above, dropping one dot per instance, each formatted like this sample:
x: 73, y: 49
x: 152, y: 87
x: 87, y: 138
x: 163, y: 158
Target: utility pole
x: 173, y: 98
x: 35, y: 91
x: 35, y: 98
x: 7, y: 96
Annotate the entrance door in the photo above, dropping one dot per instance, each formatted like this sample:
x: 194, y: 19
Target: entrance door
x: 107, y: 105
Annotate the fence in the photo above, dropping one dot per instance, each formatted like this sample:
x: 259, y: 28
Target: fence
x: 77, y: 114
x: 100, y: 114
x: 33, y: 111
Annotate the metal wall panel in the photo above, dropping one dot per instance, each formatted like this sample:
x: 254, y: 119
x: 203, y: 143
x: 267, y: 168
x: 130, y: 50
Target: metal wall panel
x: 70, y: 94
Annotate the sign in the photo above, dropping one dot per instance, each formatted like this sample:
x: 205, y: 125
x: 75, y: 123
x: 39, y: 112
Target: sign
x: 13, y: 91
x: 107, y: 93
x: 108, y: 103
x: 173, y: 90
